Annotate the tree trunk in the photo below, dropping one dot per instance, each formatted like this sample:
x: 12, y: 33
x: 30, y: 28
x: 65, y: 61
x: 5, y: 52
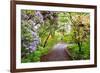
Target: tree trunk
x: 79, y: 45
x: 46, y: 39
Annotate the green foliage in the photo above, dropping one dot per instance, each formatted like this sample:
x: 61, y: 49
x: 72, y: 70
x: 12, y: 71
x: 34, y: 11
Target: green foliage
x: 43, y: 50
x: 25, y: 32
x: 84, y: 54
x: 74, y: 51
x: 25, y: 60
x: 30, y: 12
x: 79, y: 28
x: 37, y: 55
x: 52, y: 28
x: 86, y: 49
x: 26, y: 39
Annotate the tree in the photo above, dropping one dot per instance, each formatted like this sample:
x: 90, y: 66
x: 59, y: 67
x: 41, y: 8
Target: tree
x: 80, y: 27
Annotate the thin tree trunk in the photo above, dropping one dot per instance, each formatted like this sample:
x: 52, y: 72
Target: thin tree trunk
x: 80, y: 50
x: 46, y: 39
x: 79, y: 45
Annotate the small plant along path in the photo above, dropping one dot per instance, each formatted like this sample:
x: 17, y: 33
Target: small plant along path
x: 59, y: 53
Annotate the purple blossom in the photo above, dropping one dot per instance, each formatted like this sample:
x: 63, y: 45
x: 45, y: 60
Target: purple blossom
x: 34, y: 34
x: 36, y: 41
x: 40, y: 16
x: 32, y: 46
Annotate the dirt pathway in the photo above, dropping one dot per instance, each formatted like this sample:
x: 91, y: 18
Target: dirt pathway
x: 58, y: 53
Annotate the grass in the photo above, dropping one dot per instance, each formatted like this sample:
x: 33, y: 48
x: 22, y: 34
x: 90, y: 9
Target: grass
x: 83, y: 55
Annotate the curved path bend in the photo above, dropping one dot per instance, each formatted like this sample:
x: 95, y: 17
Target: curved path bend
x: 59, y: 53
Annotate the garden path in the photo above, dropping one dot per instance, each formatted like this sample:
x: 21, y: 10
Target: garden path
x: 59, y: 53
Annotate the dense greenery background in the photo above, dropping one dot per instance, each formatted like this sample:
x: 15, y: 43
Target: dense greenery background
x: 41, y: 30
